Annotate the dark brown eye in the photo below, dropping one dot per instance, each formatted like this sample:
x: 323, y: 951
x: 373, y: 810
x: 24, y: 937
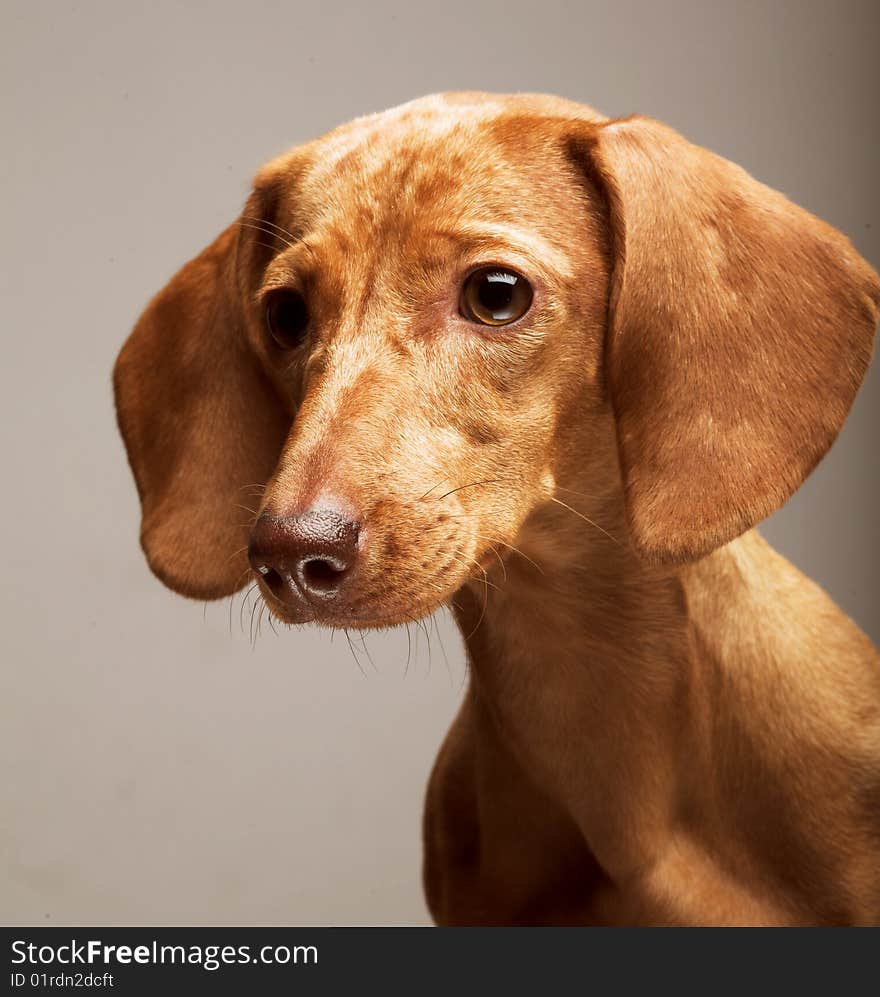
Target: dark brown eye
x: 287, y: 318
x: 492, y: 296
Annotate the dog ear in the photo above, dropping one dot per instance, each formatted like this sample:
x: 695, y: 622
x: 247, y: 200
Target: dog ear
x: 740, y: 328
x: 200, y: 419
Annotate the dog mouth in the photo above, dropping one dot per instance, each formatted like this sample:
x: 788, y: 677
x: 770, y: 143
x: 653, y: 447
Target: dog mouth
x: 365, y: 614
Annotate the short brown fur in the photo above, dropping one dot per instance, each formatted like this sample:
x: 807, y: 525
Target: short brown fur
x: 666, y: 722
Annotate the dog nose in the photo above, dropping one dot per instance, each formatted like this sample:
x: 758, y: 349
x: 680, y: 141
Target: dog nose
x: 310, y: 554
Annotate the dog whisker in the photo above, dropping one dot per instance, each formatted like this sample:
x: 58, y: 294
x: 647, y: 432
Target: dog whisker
x: 408, y: 649
x: 421, y: 625
x: 253, y: 639
x: 442, y: 648
x: 494, y: 550
x: 271, y: 619
x: 516, y: 550
x: 571, y: 491
x: 265, y: 231
x: 265, y: 245
x: 363, y: 640
x: 238, y: 581
x: 586, y: 519
x: 241, y: 608
x: 354, y: 653
x: 482, y: 614
x: 286, y: 233
x: 428, y: 492
x: 468, y: 565
x: 472, y: 484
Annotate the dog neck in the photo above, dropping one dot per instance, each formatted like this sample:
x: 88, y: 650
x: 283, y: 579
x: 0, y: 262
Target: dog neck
x: 580, y: 652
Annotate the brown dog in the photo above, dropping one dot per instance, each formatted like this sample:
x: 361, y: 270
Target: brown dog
x: 504, y: 353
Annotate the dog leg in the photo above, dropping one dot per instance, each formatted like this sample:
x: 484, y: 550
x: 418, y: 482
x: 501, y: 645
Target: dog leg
x: 497, y: 850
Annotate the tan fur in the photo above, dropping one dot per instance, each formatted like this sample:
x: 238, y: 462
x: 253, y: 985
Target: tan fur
x: 666, y: 722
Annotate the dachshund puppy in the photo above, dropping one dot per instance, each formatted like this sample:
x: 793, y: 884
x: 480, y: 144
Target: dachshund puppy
x: 502, y: 353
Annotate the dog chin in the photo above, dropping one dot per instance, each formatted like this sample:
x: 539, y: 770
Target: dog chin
x: 337, y: 615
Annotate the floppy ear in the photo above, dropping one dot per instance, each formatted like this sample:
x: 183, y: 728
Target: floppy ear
x: 200, y: 420
x: 740, y: 328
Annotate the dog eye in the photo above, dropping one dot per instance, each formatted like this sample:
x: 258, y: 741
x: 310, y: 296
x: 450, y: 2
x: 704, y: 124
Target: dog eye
x: 287, y: 318
x: 495, y: 297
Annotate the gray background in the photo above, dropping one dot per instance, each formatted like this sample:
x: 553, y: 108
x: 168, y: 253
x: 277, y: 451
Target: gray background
x: 155, y: 766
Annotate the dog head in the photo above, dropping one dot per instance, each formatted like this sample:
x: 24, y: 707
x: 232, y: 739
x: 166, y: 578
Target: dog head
x: 428, y: 322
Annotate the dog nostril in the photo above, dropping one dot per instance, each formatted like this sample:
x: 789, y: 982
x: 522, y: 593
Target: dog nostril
x: 306, y: 555
x: 321, y: 575
x: 274, y: 582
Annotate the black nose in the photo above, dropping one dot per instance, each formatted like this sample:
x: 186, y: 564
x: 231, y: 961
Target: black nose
x: 311, y: 554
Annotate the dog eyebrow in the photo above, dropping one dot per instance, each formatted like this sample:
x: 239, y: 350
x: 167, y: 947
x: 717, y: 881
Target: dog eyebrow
x: 504, y: 238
